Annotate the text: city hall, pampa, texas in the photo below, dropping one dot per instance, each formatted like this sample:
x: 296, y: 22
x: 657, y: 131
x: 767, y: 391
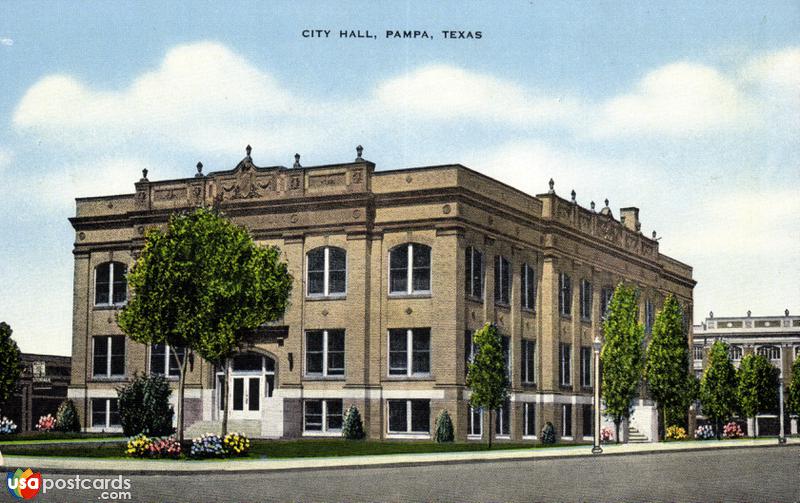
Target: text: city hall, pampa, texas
x: 393, y: 270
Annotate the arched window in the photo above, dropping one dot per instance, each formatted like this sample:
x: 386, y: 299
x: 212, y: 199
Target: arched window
x: 410, y: 269
x: 110, y: 285
x: 773, y: 353
x: 736, y: 353
x: 327, y: 271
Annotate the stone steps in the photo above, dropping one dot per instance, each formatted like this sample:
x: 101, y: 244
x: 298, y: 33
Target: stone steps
x: 636, y: 437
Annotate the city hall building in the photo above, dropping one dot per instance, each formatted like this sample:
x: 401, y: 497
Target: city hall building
x: 393, y: 271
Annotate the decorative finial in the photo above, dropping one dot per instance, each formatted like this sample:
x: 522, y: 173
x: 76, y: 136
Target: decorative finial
x: 573, y: 196
x: 748, y: 313
x: 297, y: 160
x: 606, y: 202
x: 654, y: 234
x: 359, y: 151
x: 552, y: 184
x: 144, y: 175
x: 199, y: 169
x: 786, y: 312
x: 591, y: 205
x: 711, y: 314
x: 248, y: 149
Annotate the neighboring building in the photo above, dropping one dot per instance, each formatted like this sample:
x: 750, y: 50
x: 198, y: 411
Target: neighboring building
x: 41, y: 389
x: 393, y: 271
x: 776, y: 337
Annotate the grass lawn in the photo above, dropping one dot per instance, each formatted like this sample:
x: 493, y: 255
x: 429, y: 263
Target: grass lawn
x: 31, y: 437
x: 272, y: 449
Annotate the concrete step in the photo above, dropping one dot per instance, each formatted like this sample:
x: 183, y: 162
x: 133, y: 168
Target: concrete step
x: 636, y: 437
x: 250, y: 427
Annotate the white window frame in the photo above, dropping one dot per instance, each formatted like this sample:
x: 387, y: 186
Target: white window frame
x: 769, y: 350
x: 471, y: 268
x: 107, y: 374
x: 526, y: 360
x: 566, y: 373
x: 695, y: 351
x: 586, y: 296
x: 326, y: 431
x: 409, y: 433
x: 499, y: 421
x: 325, y: 371
x: 528, y: 271
x: 167, y: 357
x: 649, y: 316
x: 409, y: 353
x: 499, y: 271
x: 586, y: 367
x: 326, y: 274
x: 736, y: 352
x: 107, y: 426
x: 527, y: 406
x: 471, y: 432
x: 564, y: 294
x: 564, y: 409
x: 110, y: 285
x: 410, y: 271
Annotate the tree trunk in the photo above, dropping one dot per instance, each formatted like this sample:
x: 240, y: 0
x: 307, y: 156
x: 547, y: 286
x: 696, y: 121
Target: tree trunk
x: 491, y: 429
x: 227, y: 369
x: 181, y: 382
x: 616, y: 426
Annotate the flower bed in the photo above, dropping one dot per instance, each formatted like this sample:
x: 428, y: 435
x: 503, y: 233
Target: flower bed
x: 46, y: 423
x: 676, y: 433
x: 704, y: 432
x: 7, y: 426
x: 732, y: 430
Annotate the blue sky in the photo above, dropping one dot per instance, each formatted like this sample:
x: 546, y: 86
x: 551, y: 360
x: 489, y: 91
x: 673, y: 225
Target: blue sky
x: 688, y: 110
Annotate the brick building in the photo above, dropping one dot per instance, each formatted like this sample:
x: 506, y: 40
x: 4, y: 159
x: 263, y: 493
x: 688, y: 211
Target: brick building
x: 392, y: 270
x: 40, y: 390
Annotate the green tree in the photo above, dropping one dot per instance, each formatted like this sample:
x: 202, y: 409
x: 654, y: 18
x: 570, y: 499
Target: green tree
x: 487, y: 376
x: 67, y: 417
x: 202, y: 285
x: 10, y: 365
x: 622, y: 355
x: 793, y: 399
x: 353, y: 428
x: 757, y: 389
x: 718, y: 386
x: 444, y: 427
x: 667, y: 365
x: 144, y: 406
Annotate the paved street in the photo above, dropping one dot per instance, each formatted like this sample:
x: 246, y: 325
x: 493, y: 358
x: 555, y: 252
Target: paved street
x: 754, y: 474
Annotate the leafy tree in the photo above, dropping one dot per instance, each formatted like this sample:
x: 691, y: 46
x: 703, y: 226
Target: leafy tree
x: 757, y: 389
x: 10, y: 365
x: 622, y: 354
x: 793, y: 400
x: 486, y: 374
x: 444, y: 428
x: 201, y: 285
x: 667, y: 365
x: 67, y: 417
x: 353, y: 428
x: 718, y: 386
x: 144, y: 406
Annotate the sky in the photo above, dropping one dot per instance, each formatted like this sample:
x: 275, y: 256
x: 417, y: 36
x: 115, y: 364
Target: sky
x: 688, y: 110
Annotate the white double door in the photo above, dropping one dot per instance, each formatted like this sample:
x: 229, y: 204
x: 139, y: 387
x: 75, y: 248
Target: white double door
x: 245, y: 396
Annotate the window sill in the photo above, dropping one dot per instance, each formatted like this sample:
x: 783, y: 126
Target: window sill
x: 528, y: 310
x: 103, y: 429
x: 528, y: 384
x: 316, y: 298
x: 477, y: 300
x: 565, y: 316
x: 475, y: 437
x: 412, y: 377
x: 502, y: 305
x: 412, y: 295
x: 587, y: 321
x: 529, y: 437
x: 567, y: 438
x: 502, y: 437
x: 114, y: 378
x: 411, y: 435
x: 320, y: 377
x: 565, y: 386
x: 335, y: 433
x: 108, y: 307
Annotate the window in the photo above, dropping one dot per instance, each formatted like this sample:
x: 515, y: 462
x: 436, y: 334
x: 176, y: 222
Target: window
x: 773, y: 353
x: 410, y: 269
x: 528, y: 361
x: 108, y: 356
x: 409, y: 416
x: 735, y: 352
x: 605, y: 300
x: 162, y: 361
x: 528, y: 287
x: 588, y: 420
x: 410, y: 351
x: 530, y: 419
x: 502, y: 280
x: 586, y: 366
x: 564, y: 294
x: 586, y: 300
x: 475, y: 422
x: 649, y: 316
x: 325, y: 353
x: 105, y: 412
x: 327, y: 272
x: 322, y: 416
x: 697, y: 353
x: 469, y: 350
x: 565, y: 368
x: 566, y: 420
x: 110, y: 285
x: 502, y: 422
x: 473, y: 280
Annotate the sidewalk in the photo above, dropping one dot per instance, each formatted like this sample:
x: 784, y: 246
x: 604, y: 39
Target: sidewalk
x: 138, y: 466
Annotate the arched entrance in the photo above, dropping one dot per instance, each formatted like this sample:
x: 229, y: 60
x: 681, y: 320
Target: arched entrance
x: 252, y: 379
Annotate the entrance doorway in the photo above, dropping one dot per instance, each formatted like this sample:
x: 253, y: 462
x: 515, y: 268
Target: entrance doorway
x: 252, y: 379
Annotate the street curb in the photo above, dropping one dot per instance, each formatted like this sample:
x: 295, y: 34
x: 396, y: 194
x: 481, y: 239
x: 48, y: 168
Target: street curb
x: 220, y: 467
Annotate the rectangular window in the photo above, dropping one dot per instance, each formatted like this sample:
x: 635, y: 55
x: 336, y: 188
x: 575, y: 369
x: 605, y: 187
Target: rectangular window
x: 649, y: 316
x: 564, y: 294
x: 162, y: 361
x: 409, y: 416
x: 566, y: 420
x: 697, y: 352
x: 528, y: 361
x: 586, y: 366
x: 469, y: 350
x: 325, y: 353
x: 410, y: 351
x: 530, y: 419
x: 565, y: 367
x: 475, y: 422
x: 473, y: 277
x: 586, y: 300
x: 528, y: 287
x: 605, y: 300
x: 502, y: 423
x: 588, y: 420
x: 502, y: 280
x: 105, y: 412
x: 322, y: 415
x: 108, y: 357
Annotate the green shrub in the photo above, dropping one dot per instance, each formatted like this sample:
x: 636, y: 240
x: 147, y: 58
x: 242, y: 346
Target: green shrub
x: 353, y: 428
x: 548, y: 433
x: 67, y: 417
x: 144, y: 406
x: 444, y: 427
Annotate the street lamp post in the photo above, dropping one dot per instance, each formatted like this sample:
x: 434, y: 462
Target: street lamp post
x: 782, y: 436
x: 596, y: 449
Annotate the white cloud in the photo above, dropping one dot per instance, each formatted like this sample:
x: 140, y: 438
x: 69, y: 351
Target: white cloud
x: 6, y: 158
x: 780, y: 69
x: 6, y: 41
